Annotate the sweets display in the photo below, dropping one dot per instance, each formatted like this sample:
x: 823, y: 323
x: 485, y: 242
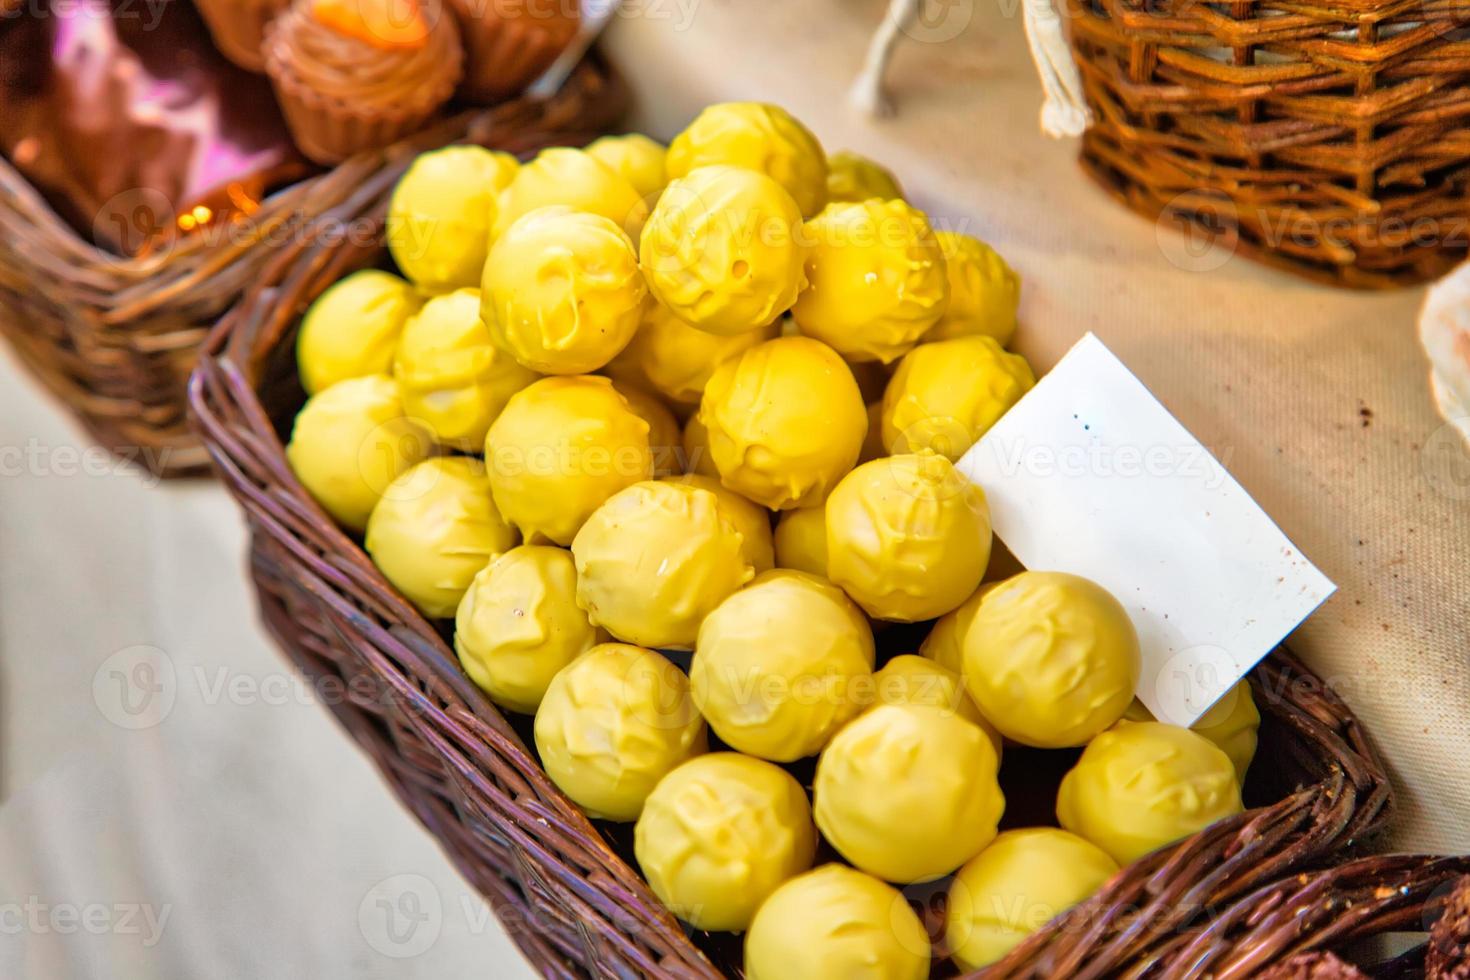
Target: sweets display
x: 984, y: 291
x: 946, y: 395
x: 352, y: 330
x: 853, y: 177
x: 508, y: 43
x: 571, y: 178
x: 1231, y: 723
x: 441, y: 213
x: 759, y: 137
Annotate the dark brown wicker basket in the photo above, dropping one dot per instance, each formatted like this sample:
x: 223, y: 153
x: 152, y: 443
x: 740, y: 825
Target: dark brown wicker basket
x: 564, y: 887
x: 115, y: 338
x: 1325, y: 136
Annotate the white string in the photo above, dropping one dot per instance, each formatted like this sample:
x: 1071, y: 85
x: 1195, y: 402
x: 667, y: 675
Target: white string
x: 1064, y: 111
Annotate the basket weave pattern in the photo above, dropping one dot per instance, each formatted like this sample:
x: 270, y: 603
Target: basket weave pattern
x: 1326, y: 136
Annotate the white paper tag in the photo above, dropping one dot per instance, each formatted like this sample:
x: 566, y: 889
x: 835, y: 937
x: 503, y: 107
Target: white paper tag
x: 1090, y: 474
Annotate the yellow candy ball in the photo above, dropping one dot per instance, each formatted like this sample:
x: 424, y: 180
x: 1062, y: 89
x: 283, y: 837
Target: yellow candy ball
x: 945, y: 396
x: 1144, y: 785
x: 719, y: 834
x: 750, y: 519
x: 678, y: 360
x: 908, y: 537
x: 570, y: 177
x: 1052, y: 659
x: 945, y: 644
x: 908, y: 792
x: 562, y: 291
x: 835, y: 923
x: 785, y: 422
x: 452, y: 377
x: 877, y: 280
x: 984, y: 292
x: 350, y: 442
x: 801, y: 540
x: 434, y: 529
x: 853, y: 177
x: 911, y: 679
x: 352, y: 329
x: 755, y: 136
x: 612, y: 724
x: 654, y: 559
x: 781, y: 665
x: 442, y: 212
x: 1232, y: 723
x: 519, y: 624
x: 664, y: 436
x: 722, y: 250
x: 697, y: 458
x: 559, y: 449
x: 634, y: 157
x: 1018, y: 884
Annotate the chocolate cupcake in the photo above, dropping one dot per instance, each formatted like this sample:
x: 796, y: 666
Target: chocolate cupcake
x: 238, y: 27
x: 355, y: 74
x: 508, y: 43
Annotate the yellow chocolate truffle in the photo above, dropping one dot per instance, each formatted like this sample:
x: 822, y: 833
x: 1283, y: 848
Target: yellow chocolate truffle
x: 452, y: 377
x: 911, y: 679
x: 801, y: 540
x: 560, y: 448
x: 908, y: 792
x: 442, y: 212
x: 755, y: 136
x: 350, y: 442
x: 877, y: 280
x: 434, y: 529
x: 722, y: 250
x: 785, y: 422
x: 984, y: 292
x: 908, y: 537
x: 678, y: 360
x: 1231, y: 723
x: 697, y: 458
x: 352, y: 329
x: 1052, y: 659
x: 1144, y: 785
x: 945, y: 644
x: 781, y: 665
x: 719, y: 834
x: 562, y: 291
x: 664, y: 436
x: 945, y: 396
x: 1018, y: 884
x: 634, y: 157
x: 654, y: 560
x: 853, y: 177
x: 570, y: 177
x: 835, y: 923
x: 519, y: 624
x: 750, y: 519
x: 612, y: 724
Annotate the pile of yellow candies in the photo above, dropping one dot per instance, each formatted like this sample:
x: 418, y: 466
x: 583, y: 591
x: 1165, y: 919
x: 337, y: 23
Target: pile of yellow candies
x: 670, y: 433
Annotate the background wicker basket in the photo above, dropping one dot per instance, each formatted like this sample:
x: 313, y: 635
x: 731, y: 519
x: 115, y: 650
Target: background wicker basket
x: 1327, y: 136
x: 115, y: 338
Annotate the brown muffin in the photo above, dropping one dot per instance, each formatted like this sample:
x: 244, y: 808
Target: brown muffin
x: 508, y: 43
x: 238, y: 27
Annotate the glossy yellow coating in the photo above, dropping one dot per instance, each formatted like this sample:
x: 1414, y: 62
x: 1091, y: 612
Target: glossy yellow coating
x: 907, y: 792
x: 723, y: 250
x: 434, y: 529
x: 1141, y: 786
x: 562, y: 291
x: 350, y: 442
x: 519, y: 624
x: 613, y: 723
x: 755, y: 136
x: 911, y: 679
x: 945, y: 396
x: 452, y: 377
x: 801, y: 540
x: 853, y: 177
x: 877, y: 279
x: 442, y: 212
x: 781, y: 665
x: 908, y: 537
x: 785, y: 422
x: 1051, y: 659
x: 984, y: 292
x: 352, y: 329
x: 697, y: 458
x: 751, y: 519
x: 1232, y: 723
x: 719, y: 834
x: 1018, y: 884
x: 665, y: 438
x: 560, y: 448
x: 654, y: 559
x: 945, y: 644
x: 678, y: 360
x: 636, y: 158
x: 562, y: 175
x: 835, y: 923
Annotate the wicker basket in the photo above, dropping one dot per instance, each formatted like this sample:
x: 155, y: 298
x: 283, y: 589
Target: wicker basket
x: 1325, y: 136
x: 566, y: 888
x: 115, y: 339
